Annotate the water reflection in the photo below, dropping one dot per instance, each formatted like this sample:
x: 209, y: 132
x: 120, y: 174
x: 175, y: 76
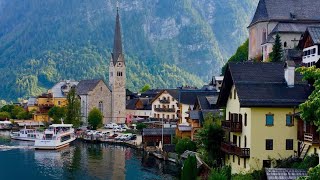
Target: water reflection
x: 83, y: 161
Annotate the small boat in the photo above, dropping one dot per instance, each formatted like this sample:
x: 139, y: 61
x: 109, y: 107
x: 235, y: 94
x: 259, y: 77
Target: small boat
x: 56, y: 137
x: 26, y: 135
x: 5, y: 125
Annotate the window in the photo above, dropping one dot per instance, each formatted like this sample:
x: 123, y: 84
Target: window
x: 234, y: 93
x: 240, y: 118
x: 267, y: 163
x: 229, y: 115
x: 289, y: 144
x: 285, y: 44
x: 59, y: 103
x: 173, y: 106
x: 155, y: 115
x: 233, y: 158
x: 269, y: 119
x: 244, y: 163
x: 313, y: 51
x: 289, y: 120
x: 245, y: 141
x: 269, y: 144
x: 230, y: 95
x: 239, y: 161
x: 264, y: 35
x: 245, y: 119
x: 101, y: 106
x: 173, y: 116
x: 315, y: 150
x: 154, y: 106
x: 168, y: 116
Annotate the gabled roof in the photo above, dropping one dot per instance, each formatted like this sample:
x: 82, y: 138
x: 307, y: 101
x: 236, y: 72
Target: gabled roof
x: 315, y: 34
x: 287, y: 10
x: 190, y: 96
x: 291, y: 28
x: 262, y: 85
x: 85, y: 86
x: 173, y: 92
x: 284, y: 173
x: 158, y: 131
x: 57, y: 89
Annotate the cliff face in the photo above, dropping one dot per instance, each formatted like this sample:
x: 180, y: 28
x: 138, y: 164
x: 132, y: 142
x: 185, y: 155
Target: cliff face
x: 45, y: 41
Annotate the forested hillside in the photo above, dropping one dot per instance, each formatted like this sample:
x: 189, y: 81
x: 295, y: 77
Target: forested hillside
x: 167, y: 43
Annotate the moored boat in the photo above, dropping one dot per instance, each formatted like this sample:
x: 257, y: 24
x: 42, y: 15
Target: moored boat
x: 5, y: 125
x: 26, y: 135
x: 56, y: 137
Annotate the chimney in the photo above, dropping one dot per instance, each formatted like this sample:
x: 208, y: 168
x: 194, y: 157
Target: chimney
x: 289, y: 73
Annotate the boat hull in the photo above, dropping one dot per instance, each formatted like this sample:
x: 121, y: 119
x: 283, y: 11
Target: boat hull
x: 52, y: 144
x: 23, y: 138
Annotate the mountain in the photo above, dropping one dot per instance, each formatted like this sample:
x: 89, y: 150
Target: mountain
x: 167, y: 43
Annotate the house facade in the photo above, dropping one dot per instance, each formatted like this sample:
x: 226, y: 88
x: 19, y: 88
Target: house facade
x: 257, y: 109
x: 165, y: 105
x: 138, y: 109
x: 289, y: 19
x: 310, y: 44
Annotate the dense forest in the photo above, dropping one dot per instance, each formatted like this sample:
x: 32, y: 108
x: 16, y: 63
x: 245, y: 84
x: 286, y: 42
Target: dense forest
x: 167, y: 43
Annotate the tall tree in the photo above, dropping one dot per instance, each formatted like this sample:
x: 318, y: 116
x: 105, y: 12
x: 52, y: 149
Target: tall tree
x: 95, y: 118
x: 189, y: 170
x: 310, y: 109
x: 57, y: 113
x: 276, y: 54
x: 145, y: 88
x: 73, y: 108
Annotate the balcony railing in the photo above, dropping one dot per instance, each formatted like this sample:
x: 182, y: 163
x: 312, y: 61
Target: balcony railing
x: 46, y: 105
x: 234, y: 150
x: 311, y: 138
x: 165, y: 110
x: 165, y: 101
x: 232, y: 126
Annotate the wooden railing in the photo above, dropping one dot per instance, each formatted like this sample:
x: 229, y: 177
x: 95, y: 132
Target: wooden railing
x: 233, y: 149
x: 165, y: 101
x: 165, y: 109
x: 232, y: 126
x: 308, y: 137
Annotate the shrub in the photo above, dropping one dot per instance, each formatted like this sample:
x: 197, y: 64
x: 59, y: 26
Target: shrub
x: 185, y: 144
x: 95, y: 118
x: 223, y: 173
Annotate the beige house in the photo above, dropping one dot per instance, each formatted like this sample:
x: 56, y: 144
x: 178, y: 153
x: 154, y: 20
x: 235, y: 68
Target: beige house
x: 164, y: 105
x: 289, y: 19
x: 260, y: 126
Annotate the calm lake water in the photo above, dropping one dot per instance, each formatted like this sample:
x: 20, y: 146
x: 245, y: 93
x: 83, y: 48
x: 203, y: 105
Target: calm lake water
x: 18, y: 160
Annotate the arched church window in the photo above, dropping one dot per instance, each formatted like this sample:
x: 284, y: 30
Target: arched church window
x: 101, y: 106
x: 285, y: 44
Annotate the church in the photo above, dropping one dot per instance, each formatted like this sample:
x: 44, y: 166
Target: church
x: 109, y: 99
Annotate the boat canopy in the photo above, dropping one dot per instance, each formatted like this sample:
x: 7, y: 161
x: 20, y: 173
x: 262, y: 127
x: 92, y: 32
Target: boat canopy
x: 61, y: 125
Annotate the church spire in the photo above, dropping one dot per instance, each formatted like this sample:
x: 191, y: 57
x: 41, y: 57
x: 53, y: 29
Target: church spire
x: 117, y: 46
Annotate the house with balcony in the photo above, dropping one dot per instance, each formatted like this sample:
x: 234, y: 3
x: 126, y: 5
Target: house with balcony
x: 60, y: 91
x: 43, y: 104
x: 164, y: 105
x: 260, y: 100
x: 310, y: 43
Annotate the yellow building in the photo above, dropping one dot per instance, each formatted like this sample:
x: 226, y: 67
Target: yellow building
x: 260, y: 101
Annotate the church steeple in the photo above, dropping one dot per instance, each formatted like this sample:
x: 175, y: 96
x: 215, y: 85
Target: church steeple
x: 117, y: 45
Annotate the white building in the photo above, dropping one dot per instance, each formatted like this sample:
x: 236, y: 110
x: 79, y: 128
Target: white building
x: 165, y: 105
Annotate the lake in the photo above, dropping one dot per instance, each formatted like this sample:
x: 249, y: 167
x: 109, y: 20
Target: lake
x: 18, y: 160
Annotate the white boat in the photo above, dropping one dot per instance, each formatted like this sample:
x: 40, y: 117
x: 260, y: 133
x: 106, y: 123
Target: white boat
x: 26, y: 135
x: 56, y: 136
x: 5, y: 125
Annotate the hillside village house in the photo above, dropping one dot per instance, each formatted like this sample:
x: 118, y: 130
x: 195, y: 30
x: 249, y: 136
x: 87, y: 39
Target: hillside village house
x: 138, y: 109
x: 288, y: 18
x: 187, y: 99
x: 94, y: 94
x: 204, y: 106
x: 258, y: 108
x: 164, y: 105
x: 56, y: 96
x: 310, y: 44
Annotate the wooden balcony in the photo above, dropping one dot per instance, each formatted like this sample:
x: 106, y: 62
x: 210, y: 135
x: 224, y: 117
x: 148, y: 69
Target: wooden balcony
x: 165, y: 110
x: 311, y: 138
x: 234, y: 150
x: 232, y: 126
x: 164, y: 101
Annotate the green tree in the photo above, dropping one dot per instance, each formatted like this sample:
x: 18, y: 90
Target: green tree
x: 16, y: 110
x: 141, y: 126
x: 4, y: 116
x: 310, y: 109
x: 185, y: 144
x: 145, y: 88
x: 95, y: 118
x: 209, y: 139
x: 276, y: 54
x: 24, y: 115
x: 73, y: 108
x: 240, y: 55
x: 57, y: 113
x: 189, y: 170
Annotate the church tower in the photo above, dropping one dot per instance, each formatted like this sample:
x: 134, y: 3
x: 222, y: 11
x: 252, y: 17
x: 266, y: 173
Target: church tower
x: 117, y: 77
